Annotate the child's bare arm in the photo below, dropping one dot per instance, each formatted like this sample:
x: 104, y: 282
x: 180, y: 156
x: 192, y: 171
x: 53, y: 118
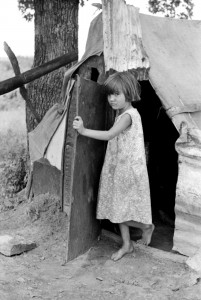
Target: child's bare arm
x: 116, y: 129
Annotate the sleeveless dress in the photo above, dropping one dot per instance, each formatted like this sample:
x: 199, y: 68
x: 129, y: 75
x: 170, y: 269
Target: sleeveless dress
x: 124, y: 192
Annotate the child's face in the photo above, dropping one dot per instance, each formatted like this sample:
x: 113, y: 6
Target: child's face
x: 117, y: 101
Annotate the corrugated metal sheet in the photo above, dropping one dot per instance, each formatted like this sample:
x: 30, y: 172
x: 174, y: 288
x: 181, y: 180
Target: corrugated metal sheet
x: 122, y: 35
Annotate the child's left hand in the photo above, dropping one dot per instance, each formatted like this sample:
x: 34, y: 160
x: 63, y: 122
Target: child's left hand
x: 78, y: 124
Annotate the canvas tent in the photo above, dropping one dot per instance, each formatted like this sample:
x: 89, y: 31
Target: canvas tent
x: 167, y: 53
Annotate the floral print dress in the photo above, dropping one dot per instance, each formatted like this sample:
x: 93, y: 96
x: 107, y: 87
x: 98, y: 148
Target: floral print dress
x: 124, y: 192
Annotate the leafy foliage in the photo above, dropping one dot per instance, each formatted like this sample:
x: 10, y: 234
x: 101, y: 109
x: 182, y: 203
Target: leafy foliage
x: 82, y: 2
x: 27, y: 8
x: 182, y: 9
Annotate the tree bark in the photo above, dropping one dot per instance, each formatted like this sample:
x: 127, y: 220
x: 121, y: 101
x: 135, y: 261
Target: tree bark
x: 56, y: 33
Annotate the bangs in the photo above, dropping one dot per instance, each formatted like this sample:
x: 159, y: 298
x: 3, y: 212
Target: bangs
x: 113, y: 86
x: 123, y: 82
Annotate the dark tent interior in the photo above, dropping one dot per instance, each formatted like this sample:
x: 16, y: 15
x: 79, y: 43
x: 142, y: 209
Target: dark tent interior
x: 162, y: 161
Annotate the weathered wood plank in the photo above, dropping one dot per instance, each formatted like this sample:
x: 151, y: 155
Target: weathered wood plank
x: 86, y: 165
x: 28, y: 76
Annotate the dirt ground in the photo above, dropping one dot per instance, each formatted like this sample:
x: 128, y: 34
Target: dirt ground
x: 42, y: 274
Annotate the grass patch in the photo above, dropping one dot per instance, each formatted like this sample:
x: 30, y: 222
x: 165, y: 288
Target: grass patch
x: 13, y: 99
x: 13, y: 145
x: 14, y: 164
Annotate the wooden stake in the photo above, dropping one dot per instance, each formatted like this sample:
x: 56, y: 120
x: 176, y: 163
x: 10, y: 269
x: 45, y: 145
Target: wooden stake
x: 23, y: 90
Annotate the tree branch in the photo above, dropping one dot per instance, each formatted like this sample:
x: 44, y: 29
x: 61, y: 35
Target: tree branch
x: 23, y: 90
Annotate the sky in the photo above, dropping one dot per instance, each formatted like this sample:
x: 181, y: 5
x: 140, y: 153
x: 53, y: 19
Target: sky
x: 19, y: 34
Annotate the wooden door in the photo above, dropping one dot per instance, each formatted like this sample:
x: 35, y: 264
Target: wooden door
x: 83, y: 159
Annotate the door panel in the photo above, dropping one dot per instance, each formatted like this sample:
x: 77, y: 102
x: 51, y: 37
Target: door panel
x: 84, y: 162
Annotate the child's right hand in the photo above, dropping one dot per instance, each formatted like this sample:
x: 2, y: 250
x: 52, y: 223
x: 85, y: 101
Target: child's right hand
x: 78, y: 124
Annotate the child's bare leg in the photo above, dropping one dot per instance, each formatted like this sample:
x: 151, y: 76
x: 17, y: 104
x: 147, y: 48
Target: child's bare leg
x: 127, y: 246
x: 147, y: 231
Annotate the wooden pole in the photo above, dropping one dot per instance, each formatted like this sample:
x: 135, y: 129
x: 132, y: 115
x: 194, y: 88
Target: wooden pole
x: 23, y: 90
x: 28, y: 76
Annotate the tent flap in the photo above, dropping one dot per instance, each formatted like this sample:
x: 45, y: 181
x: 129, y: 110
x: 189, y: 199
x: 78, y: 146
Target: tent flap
x: 175, y: 110
x: 40, y: 137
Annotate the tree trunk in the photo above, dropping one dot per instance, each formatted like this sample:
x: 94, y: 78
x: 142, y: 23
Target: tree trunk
x: 56, y: 33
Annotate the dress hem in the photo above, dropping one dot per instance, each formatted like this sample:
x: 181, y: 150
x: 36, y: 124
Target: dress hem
x: 124, y: 220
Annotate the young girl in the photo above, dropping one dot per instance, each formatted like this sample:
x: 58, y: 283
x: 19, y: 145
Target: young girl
x: 124, y: 195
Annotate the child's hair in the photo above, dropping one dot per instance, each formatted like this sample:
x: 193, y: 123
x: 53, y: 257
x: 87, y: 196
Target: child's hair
x: 123, y: 82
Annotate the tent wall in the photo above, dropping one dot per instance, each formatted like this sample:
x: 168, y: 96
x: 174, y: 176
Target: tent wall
x: 174, y: 47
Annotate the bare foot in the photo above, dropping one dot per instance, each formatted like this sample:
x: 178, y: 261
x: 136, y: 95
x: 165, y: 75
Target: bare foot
x: 122, y: 251
x: 146, y: 235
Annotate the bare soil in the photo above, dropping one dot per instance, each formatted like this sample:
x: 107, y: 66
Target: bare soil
x: 42, y: 273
